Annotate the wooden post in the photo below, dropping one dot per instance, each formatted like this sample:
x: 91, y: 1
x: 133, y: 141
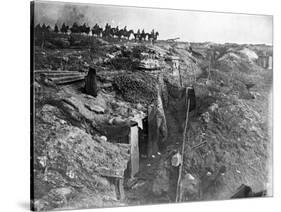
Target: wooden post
x: 91, y: 82
x: 178, y: 194
x: 180, y: 76
x: 134, y: 141
x: 119, y: 185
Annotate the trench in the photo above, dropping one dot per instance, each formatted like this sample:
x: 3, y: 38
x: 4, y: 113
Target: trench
x: 149, y: 186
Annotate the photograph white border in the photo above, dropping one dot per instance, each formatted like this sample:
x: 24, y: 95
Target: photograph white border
x: 15, y: 104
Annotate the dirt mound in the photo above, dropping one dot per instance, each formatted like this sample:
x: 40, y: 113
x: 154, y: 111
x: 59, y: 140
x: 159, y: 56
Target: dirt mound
x: 137, y: 87
x: 72, y: 165
x: 249, y: 53
x: 235, y: 61
x: 230, y: 134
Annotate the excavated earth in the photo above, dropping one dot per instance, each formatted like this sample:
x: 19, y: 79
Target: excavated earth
x: 228, y: 140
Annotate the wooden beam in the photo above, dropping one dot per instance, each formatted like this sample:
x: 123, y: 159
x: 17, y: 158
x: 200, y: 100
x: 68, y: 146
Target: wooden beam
x: 178, y: 194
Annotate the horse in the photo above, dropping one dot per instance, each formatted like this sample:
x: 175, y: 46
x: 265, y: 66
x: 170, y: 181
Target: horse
x: 106, y: 32
x: 137, y: 35
x: 75, y: 28
x: 113, y: 31
x: 64, y: 28
x: 153, y: 37
x: 96, y: 30
x: 56, y: 29
x: 120, y: 33
x: 127, y: 34
x: 84, y: 29
x: 142, y: 35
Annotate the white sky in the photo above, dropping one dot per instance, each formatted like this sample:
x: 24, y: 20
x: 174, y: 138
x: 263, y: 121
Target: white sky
x: 192, y: 26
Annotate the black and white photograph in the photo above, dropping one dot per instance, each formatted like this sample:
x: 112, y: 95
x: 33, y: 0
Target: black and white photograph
x: 141, y: 106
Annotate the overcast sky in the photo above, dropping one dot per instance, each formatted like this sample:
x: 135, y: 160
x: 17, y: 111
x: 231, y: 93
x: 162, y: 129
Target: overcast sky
x: 192, y: 26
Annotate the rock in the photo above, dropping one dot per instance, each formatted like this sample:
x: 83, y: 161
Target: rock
x: 96, y: 108
x: 189, y: 176
x: 176, y: 160
x: 104, y: 138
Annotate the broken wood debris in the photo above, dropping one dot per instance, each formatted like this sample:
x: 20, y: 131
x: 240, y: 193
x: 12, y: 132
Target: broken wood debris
x: 61, y: 77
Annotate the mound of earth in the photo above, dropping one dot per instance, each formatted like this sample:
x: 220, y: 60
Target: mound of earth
x: 72, y: 168
x: 137, y: 87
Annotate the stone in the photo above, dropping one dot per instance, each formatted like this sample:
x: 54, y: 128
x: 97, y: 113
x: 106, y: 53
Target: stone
x: 176, y: 160
x: 104, y: 138
x: 95, y: 108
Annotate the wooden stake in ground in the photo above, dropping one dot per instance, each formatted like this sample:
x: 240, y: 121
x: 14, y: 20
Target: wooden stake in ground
x: 91, y: 82
x: 178, y: 194
x: 180, y: 76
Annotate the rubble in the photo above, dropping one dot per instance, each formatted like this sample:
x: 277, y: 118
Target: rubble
x: 60, y: 77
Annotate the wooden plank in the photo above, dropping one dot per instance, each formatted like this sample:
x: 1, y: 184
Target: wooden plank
x: 134, y: 141
x: 55, y: 71
x: 63, y: 74
x: 120, y: 183
x: 64, y: 80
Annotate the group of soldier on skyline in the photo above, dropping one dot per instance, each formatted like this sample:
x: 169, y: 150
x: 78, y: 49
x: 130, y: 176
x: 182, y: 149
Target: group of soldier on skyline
x: 96, y: 30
